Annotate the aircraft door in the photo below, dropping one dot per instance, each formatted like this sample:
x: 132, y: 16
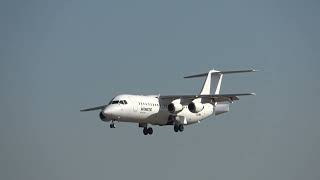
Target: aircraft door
x: 134, y: 105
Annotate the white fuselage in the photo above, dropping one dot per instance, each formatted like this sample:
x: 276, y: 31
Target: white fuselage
x: 151, y: 110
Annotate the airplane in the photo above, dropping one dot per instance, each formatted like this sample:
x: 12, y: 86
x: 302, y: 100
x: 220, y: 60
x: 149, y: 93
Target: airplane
x: 172, y: 110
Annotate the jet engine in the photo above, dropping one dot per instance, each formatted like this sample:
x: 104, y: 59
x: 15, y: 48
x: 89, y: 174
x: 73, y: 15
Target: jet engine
x: 174, y: 107
x: 195, y: 107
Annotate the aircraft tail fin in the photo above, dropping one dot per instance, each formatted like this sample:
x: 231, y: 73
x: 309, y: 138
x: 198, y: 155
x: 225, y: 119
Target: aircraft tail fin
x: 216, y: 76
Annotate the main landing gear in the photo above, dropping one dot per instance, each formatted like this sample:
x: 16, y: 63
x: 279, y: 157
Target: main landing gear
x: 147, y: 130
x: 178, y: 127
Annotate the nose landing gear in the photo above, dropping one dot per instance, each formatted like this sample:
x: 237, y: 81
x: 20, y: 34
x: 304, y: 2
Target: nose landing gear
x: 112, y: 125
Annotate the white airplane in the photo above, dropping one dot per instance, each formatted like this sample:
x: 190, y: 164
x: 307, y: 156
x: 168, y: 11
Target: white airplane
x: 176, y: 110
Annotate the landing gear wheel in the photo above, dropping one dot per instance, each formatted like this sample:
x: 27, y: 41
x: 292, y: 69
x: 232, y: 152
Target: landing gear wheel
x: 112, y: 125
x: 150, y: 130
x: 176, y: 128
x: 145, y: 131
x: 181, y: 127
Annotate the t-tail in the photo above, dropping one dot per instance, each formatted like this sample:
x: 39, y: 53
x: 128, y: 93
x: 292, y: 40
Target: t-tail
x: 216, y: 77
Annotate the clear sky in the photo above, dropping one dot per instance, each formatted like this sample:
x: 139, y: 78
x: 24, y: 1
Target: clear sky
x: 59, y: 56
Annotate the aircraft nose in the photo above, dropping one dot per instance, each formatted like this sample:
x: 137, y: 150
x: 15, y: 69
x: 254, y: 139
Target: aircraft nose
x: 109, y: 112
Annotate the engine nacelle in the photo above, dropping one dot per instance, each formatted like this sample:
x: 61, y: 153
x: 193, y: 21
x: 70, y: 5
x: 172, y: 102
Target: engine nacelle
x: 175, y: 107
x: 221, y: 108
x: 195, y: 107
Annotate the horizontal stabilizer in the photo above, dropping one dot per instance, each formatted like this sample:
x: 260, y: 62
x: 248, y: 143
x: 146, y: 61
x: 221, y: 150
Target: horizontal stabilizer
x: 220, y: 72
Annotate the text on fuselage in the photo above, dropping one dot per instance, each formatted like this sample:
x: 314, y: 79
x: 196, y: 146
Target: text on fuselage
x: 146, y: 109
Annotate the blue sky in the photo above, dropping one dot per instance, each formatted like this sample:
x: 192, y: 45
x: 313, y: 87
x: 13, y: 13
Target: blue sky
x: 59, y: 56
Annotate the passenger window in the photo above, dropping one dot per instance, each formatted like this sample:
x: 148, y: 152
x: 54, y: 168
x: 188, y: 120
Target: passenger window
x: 125, y: 102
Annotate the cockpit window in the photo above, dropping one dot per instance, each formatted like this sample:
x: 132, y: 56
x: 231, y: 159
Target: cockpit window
x: 123, y: 102
x: 115, y: 102
x: 118, y: 102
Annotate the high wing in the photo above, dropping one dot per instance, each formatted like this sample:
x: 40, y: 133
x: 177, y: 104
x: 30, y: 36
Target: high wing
x: 94, y: 108
x: 215, y: 98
